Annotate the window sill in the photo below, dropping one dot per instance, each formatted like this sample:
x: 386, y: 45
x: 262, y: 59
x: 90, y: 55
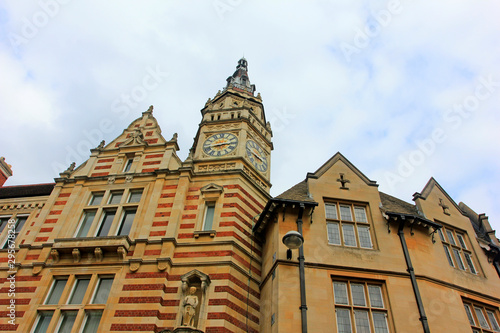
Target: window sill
x: 210, y: 233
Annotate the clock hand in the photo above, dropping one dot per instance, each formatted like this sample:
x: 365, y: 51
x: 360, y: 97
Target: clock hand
x: 219, y: 144
x: 260, y: 158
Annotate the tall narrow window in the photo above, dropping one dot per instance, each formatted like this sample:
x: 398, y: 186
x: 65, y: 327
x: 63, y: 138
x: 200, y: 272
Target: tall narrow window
x: 109, y: 213
x: 126, y: 223
x: 87, y: 220
x: 209, y: 216
x: 79, y: 290
x: 128, y: 165
x: 43, y: 322
x: 107, y: 220
x: 92, y: 320
x: 3, y: 223
x: 354, y: 308
x: 81, y: 311
x: 102, y: 291
x: 67, y: 321
x: 56, y: 291
x: 482, y: 318
x: 456, y: 250
x: 347, y: 225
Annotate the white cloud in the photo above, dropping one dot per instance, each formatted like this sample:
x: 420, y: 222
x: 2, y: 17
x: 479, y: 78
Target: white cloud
x: 374, y: 108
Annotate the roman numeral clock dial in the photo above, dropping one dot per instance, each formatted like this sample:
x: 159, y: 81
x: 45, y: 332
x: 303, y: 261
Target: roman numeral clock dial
x: 256, y: 156
x: 220, y: 144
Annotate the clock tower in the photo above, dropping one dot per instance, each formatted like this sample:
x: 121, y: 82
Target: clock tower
x: 234, y: 134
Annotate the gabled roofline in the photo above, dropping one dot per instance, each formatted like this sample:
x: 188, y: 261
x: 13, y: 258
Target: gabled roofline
x: 334, y: 159
x: 428, y: 189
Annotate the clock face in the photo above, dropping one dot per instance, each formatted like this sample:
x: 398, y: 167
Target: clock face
x: 220, y: 144
x: 256, y: 156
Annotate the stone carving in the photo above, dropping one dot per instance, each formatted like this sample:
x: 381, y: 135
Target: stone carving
x: 122, y: 253
x: 111, y: 180
x: 174, y: 137
x: 254, y: 177
x: 76, y: 255
x: 71, y: 167
x: 101, y: 145
x: 129, y: 178
x: 55, y: 255
x: 190, y: 303
x: 98, y: 254
x: 216, y: 167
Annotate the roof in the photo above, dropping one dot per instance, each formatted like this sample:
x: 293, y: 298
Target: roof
x: 20, y: 191
x: 395, y: 205
x: 475, y: 220
x: 298, y: 192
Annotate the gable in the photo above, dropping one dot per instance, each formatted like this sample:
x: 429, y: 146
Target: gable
x: 339, y: 169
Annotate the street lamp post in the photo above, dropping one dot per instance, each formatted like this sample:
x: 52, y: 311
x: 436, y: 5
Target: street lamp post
x: 294, y: 240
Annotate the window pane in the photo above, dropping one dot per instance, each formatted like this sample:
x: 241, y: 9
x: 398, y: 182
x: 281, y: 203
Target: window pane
x: 106, y: 223
x: 461, y: 241
x: 380, y: 322
x: 340, y: 293
x: 468, y: 259
x: 92, y: 322
x: 331, y: 211
x: 349, y: 236
x: 345, y: 213
x: 128, y: 165
x: 43, y: 322
x: 493, y: 321
x: 440, y: 232
x: 135, y: 196
x: 458, y: 259
x: 344, y: 321
x: 3, y: 223
x: 56, y: 292
x: 79, y: 291
x: 362, y: 321
x: 67, y: 321
x: 96, y: 199
x: 469, y: 315
x: 448, y: 255
x: 115, y: 197
x: 360, y: 214
x: 88, y: 218
x: 480, y: 317
x: 358, y: 294
x: 364, y: 237
x: 451, y: 239
x: 376, y: 300
x: 102, y: 291
x: 127, y: 220
x: 20, y: 223
x: 333, y: 233
x: 209, y: 217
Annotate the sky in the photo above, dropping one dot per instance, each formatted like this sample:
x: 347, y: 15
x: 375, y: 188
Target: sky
x: 406, y: 90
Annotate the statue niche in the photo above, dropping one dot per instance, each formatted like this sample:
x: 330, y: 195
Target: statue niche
x: 193, y: 302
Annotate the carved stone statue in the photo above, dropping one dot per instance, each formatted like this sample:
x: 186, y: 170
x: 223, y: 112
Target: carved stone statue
x: 190, y: 303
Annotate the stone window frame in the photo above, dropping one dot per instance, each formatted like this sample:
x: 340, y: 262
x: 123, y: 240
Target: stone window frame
x: 357, y: 225
x: 490, y: 321
x: 458, y: 247
x: 211, y: 194
x: 120, y: 209
x: 82, y: 309
x: 368, y: 307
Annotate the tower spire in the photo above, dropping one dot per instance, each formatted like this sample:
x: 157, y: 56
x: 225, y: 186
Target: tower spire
x: 240, y: 80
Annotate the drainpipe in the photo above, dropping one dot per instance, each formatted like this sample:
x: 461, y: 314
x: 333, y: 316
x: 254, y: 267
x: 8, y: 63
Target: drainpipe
x: 423, y: 317
x: 302, y: 276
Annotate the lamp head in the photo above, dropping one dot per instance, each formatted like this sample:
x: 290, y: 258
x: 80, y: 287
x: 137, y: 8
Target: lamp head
x: 293, y: 240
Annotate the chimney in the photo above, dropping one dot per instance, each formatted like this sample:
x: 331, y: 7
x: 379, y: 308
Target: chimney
x: 5, y: 171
